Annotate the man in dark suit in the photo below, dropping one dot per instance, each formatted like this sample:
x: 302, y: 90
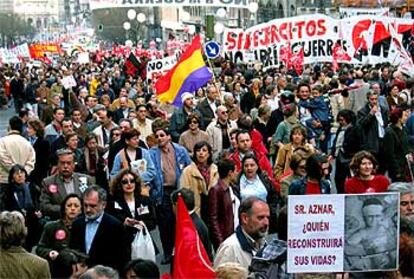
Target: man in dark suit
x: 208, y: 106
x: 123, y: 110
x: 98, y: 234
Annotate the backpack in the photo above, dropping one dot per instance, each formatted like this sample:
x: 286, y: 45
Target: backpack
x: 270, y: 262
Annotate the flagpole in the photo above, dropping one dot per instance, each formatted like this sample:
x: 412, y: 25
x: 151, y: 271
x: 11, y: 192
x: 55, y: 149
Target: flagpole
x: 214, y: 78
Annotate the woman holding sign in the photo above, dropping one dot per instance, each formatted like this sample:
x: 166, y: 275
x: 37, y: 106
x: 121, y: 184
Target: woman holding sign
x: 363, y: 166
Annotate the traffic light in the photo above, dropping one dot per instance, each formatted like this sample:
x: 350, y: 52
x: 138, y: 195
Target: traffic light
x: 100, y: 27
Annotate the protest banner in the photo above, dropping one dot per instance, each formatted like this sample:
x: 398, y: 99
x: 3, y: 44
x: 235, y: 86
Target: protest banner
x: 103, y: 4
x: 364, y: 39
x: 158, y: 67
x: 14, y: 55
x: 40, y: 50
x: 345, y: 12
x: 342, y: 233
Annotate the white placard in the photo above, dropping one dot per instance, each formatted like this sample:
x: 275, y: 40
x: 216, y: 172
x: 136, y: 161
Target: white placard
x: 343, y: 233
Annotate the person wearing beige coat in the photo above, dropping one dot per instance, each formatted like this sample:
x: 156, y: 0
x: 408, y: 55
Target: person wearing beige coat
x: 15, y: 149
x: 200, y: 176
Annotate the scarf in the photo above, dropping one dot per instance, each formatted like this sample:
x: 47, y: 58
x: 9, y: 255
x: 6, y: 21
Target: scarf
x: 205, y: 173
x: 24, y: 198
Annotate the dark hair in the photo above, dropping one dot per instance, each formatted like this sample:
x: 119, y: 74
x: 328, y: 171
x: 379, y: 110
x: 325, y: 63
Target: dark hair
x: 192, y: 116
x: 187, y: 195
x: 16, y: 124
x: 90, y: 137
x: 239, y: 132
x: 70, y: 135
x: 144, y: 269
x: 395, y: 115
x: 298, y: 128
x: 247, y: 205
x: 371, y: 201
x: 23, y: 113
x: 127, y: 135
x: 224, y: 166
x: 56, y: 109
x: 295, y: 160
x: 141, y: 106
x: 125, y: 120
x: 356, y: 161
x: 313, y: 165
x: 65, y: 200
x: 15, y: 169
x: 116, y: 185
x: 245, y: 122
x: 198, y: 146
x: 304, y: 84
x: 102, y: 195
x: 250, y: 155
x: 348, y: 115
x: 38, y: 126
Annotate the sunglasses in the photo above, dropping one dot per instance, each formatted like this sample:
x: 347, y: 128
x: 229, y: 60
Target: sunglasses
x: 127, y: 181
x: 116, y: 134
x: 194, y: 122
x: 224, y: 112
x: 159, y: 136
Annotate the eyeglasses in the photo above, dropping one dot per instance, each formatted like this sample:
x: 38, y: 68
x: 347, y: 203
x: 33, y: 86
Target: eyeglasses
x: 194, y: 122
x: 224, y: 112
x: 127, y: 181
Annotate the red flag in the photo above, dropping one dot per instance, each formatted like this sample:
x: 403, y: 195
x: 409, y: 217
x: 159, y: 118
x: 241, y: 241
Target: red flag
x: 338, y: 55
x: 190, y: 259
x: 297, y: 60
x: 285, y: 54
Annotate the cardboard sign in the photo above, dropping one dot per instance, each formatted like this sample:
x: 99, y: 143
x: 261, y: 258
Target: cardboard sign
x: 335, y: 233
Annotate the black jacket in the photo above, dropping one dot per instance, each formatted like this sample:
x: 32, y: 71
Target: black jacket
x: 206, y: 112
x: 42, y: 150
x: 109, y: 245
x: 368, y: 126
x: 396, y: 147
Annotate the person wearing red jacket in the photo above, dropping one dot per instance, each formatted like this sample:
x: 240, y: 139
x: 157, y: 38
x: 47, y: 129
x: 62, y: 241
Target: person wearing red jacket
x: 244, y: 145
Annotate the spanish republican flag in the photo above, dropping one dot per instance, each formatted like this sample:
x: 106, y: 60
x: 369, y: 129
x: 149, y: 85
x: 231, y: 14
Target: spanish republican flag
x: 188, y: 75
x: 190, y: 259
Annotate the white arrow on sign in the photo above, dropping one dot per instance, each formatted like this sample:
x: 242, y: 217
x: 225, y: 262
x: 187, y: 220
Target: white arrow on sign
x: 212, y: 50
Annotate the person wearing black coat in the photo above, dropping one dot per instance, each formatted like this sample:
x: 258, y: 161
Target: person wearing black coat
x: 35, y: 133
x: 16, y: 196
x: 345, y: 145
x: 107, y: 243
x: 130, y: 204
x: 396, y: 143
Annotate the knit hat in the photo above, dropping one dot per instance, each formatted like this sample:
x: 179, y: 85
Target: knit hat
x: 185, y: 96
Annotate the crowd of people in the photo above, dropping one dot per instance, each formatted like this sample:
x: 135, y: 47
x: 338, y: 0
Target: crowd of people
x: 85, y: 165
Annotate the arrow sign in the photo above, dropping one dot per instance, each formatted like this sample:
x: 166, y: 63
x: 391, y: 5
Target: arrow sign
x: 212, y: 49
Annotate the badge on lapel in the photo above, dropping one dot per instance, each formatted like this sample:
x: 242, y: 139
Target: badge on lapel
x: 60, y: 235
x: 83, y: 184
x: 53, y: 188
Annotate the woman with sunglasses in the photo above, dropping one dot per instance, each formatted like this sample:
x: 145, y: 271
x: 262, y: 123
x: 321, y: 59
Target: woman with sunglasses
x: 255, y: 182
x: 314, y: 183
x: 130, y: 203
x: 194, y: 134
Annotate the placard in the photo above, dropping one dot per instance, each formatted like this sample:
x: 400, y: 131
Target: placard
x: 335, y: 233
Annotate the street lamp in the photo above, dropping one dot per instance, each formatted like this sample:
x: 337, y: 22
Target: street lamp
x: 141, y: 18
x: 131, y: 14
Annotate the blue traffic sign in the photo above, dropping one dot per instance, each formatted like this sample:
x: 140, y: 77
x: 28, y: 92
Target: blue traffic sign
x: 212, y: 49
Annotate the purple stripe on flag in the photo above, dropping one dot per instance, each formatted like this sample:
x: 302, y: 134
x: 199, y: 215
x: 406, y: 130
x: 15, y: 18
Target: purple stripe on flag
x: 192, y: 83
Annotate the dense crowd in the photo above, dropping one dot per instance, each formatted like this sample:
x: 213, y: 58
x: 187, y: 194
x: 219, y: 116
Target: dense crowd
x: 92, y: 157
